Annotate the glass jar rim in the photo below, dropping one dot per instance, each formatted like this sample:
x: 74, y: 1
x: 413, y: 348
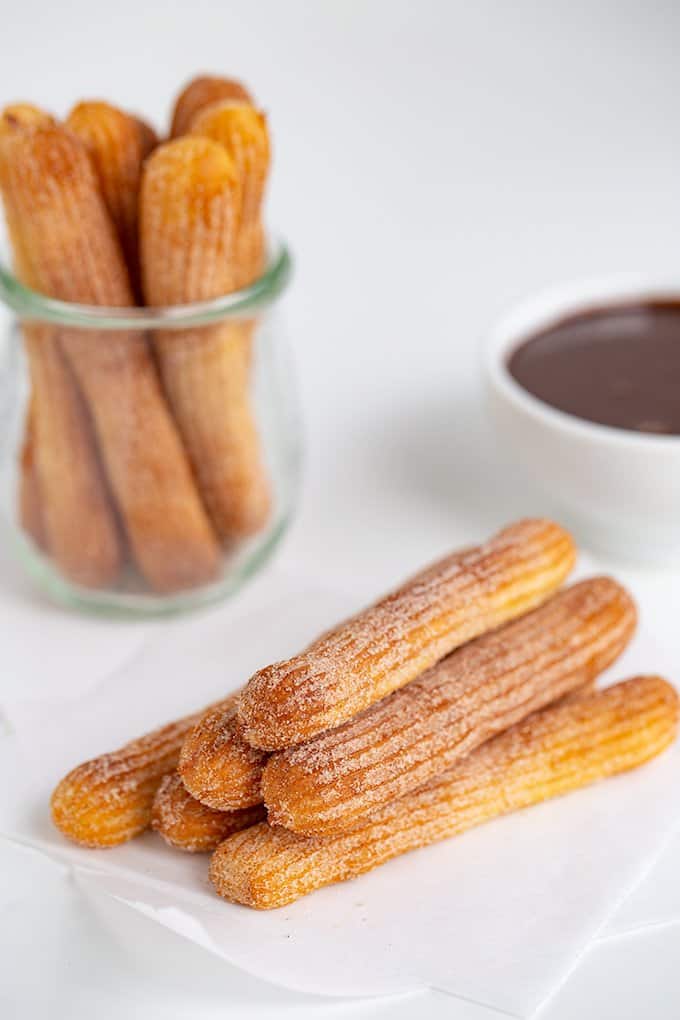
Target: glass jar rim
x: 30, y: 305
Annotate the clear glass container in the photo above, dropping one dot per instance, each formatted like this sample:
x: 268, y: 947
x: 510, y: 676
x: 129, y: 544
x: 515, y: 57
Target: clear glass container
x: 150, y: 456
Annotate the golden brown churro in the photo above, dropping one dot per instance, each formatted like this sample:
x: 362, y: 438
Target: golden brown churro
x: 186, y: 824
x: 51, y: 191
x: 201, y: 92
x: 217, y: 766
x: 406, y: 632
x: 189, y: 219
x: 223, y: 771
x: 80, y: 528
x: 115, y: 144
x: 24, y: 115
x: 551, y: 753
x: 108, y: 800
x: 328, y: 785
x: 242, y: 130
x: 64, y: 502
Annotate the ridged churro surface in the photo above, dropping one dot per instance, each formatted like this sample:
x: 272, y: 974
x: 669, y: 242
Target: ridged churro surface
x: 217, y: 765
x: 406, y: 632
x: 108, y: 800
x: 186, y: 824
x: 201, y: 92
x: 78, y: 524
x: 24, y: 115
x: 552, y: 752
x: 51, y: 190
x: 64, y: 498
x: 328, y: 785
x: 242, y: 130
x: 190, y: 207
x: 190, y: 204
x: 116, y: 146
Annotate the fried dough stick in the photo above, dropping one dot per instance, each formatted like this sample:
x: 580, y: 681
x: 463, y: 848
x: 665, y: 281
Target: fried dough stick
x: 551, y: 753
x: 242, y: 130
x: 330, y: 784
x: 63, y: 497
x: 189, y: 221
x: 186, y: 824
x: 199, y: 93
x: 396, y: 639
x: 117, y: 146
x: 51, y: 192
x: 108, y: 800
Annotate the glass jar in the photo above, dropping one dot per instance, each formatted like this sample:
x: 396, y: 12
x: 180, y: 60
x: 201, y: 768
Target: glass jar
x: 150, y: 456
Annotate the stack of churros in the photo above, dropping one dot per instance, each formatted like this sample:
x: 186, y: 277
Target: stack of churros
x: 467, y: 693
x: 140, y: 450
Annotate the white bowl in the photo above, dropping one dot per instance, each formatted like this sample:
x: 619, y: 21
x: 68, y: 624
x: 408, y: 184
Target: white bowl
x: 619, y: 490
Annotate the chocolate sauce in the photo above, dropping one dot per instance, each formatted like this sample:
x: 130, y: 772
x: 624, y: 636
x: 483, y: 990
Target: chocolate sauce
x: 617, y: 366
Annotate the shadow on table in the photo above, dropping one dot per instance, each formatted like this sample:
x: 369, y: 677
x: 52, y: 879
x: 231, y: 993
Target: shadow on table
x: 444, y: 446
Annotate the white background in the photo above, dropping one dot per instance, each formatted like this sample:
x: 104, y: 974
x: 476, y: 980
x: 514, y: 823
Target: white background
x: 433, y: 162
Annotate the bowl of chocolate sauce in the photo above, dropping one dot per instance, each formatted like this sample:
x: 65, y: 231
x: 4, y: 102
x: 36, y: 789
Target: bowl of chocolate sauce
x: 584, y: 383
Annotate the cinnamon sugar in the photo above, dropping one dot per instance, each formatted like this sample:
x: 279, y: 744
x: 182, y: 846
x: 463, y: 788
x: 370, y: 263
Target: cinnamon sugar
x: 552, y: 752
x: 393, y: 641
x: 395, y: 746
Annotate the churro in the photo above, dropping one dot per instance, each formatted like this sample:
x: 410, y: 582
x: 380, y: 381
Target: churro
x: 63, y: 500
x: 398, y: 638
x: 328, y: 785
x: 116, y: 145
x: 186, y: 824
x: 551, y: 753
x: 77, y: 522
x: 50, y: 190
x: 242, y: 130
x: 190, y: 203
x: 24, y: 115
x: 108, y: 800
x: 201, y: 92
x: 217, y: 766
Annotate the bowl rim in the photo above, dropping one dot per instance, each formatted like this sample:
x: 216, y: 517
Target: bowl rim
x: 30, y: 305
x: 536, y: 312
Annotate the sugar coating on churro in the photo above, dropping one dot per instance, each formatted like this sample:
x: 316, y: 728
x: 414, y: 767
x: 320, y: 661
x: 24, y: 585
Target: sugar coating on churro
x: 217, y: 765
x: 108, y: 799
x: 396, y: 639
x: 242, y: 130
x: 78, y: 524
x: 190, y: 203
x: 64, y: 498
x: 50, y: 188
x: 24, y: 115
x: 190, y: 208
x: 551, y: 753
x: 115, y: 143
x: 201, y: 92
x: 397, y: 745
x: 186, y: 824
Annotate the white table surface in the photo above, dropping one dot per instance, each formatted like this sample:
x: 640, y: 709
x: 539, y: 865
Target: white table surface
x: 434, y: 162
